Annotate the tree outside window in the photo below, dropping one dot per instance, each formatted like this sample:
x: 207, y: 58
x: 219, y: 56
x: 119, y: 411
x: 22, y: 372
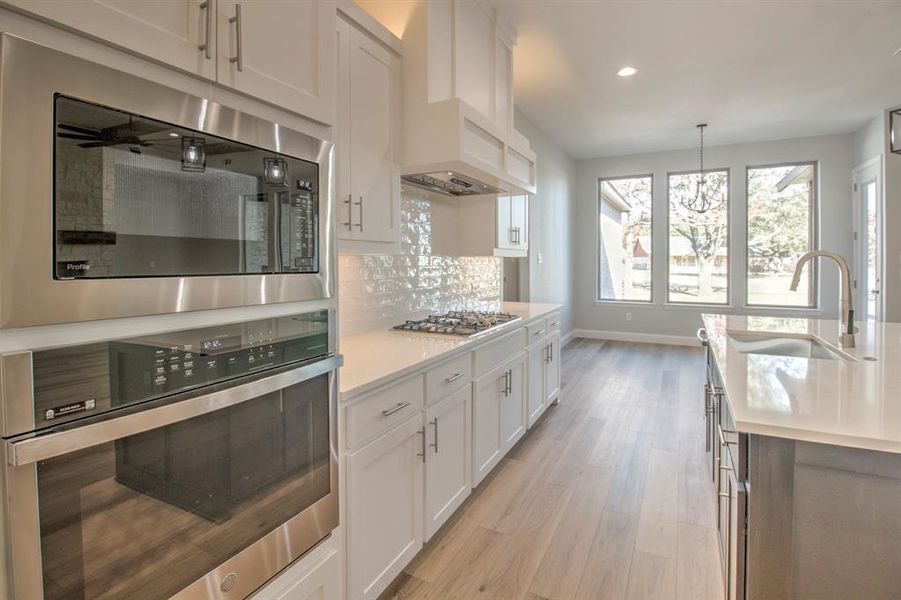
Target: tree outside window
x: 780, y: 230
x: 699, y: 237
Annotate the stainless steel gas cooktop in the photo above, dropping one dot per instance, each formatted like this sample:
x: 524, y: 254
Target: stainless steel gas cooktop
x: 465, y: 323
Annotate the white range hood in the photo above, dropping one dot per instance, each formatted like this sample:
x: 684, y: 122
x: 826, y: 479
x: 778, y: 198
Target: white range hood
x: 459, y: 138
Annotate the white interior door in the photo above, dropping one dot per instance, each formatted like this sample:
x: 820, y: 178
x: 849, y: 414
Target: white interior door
x: 868, y: 241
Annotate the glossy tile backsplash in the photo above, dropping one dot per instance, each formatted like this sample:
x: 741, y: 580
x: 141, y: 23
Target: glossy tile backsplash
x: 381, y: 290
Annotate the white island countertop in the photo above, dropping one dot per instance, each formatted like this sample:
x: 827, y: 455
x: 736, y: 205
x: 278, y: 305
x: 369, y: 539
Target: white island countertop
x: 375, y: 357
x: 854, y: 403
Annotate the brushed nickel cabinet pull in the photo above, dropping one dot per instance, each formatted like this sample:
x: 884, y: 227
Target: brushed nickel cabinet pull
x: 509, y: 381
x: 555, y: 323
x: 422, y: 433
x: 360, y: 204
x: 399, y: 406
x: 238, y: 58
x: 350, y: 213
x: 435, y: 425
x: 540, y: 332
x: 453, y: 377
x: 208, y: 28
x: 504, y: 391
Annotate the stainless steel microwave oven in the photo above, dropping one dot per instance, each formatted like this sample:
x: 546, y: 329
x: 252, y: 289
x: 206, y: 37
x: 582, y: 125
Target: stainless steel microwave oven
x: 122, y: 197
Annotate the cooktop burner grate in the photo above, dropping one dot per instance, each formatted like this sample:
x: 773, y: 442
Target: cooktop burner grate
x: 464, y: 323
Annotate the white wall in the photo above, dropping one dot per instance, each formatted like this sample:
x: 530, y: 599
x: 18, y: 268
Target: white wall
x: 835, y: 157
x: 550, y: 223
x: 869, y: 140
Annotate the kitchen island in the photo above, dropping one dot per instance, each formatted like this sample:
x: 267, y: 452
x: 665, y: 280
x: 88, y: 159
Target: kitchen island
x: 805, y: 446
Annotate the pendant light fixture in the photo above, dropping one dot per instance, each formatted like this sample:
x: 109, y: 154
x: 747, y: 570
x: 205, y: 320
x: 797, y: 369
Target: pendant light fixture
x: 701, y: 190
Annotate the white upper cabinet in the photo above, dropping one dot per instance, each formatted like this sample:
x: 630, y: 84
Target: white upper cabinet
x: 368, y: 177
x: 503, y: 81
x: 473, y: 75
x: 179, y: 33
x: 280, y: 51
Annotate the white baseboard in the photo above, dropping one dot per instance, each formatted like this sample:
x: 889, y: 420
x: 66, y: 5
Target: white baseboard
x: 645, y: 338
x: 567, y: 338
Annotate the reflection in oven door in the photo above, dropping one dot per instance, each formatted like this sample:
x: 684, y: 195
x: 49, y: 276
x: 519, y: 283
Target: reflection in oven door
x: 147, y: 515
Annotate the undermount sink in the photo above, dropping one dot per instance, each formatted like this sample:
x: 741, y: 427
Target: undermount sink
x: 785, y: 344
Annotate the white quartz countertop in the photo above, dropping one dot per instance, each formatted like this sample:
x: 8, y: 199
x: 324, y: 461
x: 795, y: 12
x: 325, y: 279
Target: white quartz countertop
x: 375, y: 357
x: 854, y: 403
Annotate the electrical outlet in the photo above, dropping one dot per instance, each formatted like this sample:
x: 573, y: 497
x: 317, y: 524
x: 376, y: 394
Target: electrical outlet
x: 540, y: 258
x: 629, y: 316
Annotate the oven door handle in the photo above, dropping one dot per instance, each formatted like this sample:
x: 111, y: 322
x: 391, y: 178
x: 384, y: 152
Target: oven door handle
x: 46, y: 446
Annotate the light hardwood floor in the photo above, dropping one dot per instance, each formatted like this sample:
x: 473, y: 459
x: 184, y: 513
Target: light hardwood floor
x: 608, y: 496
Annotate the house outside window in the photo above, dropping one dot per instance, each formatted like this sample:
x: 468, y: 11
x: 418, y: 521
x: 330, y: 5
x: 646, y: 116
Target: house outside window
x: 624, y: 239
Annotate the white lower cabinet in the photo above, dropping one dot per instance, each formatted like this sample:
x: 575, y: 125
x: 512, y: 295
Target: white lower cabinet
x: 384, y: 508
x: 447, y: 466
x: 314, y: 576
x: 537, y: 373
x: 498, y: 415
x: 552, y: 380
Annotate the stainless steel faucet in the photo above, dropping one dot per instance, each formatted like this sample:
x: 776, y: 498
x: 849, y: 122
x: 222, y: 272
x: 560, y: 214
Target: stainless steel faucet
x: 846, y: 330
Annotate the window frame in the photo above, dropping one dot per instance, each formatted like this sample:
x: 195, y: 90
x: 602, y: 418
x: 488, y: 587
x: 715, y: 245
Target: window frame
x: 813, y: 273
x: 597, y: 253
x: 728, y: 302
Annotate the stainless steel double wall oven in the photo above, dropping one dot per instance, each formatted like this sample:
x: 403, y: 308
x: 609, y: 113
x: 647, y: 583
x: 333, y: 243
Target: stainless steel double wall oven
x: 194, y: 463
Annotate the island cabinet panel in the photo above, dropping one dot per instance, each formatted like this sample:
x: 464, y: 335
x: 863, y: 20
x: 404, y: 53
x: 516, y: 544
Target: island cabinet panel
x: 384, y: 508
x: 447, y: 467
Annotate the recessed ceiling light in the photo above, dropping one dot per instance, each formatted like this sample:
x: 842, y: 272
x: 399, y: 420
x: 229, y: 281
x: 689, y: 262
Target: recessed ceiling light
x: 173, y: 135
x: 627, y: 72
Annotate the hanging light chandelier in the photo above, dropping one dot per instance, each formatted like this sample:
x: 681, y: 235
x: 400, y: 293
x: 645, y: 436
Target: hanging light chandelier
x: 701, y: 190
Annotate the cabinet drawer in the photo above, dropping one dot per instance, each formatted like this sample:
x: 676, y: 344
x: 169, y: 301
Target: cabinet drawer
x: 536, y: 330
x: 448, y: 377
x: 553, y: 323
x: 383, y: 409
x: 494, y: 353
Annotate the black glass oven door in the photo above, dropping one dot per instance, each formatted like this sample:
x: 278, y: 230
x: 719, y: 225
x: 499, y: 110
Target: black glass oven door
x: 145, y: 515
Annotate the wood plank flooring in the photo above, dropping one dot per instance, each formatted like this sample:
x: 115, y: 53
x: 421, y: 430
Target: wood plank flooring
x: 607, y: 497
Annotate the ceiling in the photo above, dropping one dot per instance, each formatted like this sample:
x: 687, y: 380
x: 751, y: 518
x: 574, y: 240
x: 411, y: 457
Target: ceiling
x: 763, y: 70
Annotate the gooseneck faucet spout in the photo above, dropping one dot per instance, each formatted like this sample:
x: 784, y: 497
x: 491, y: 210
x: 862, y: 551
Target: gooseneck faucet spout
x: 847, y: 330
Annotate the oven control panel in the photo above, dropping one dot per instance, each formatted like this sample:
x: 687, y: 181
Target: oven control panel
x: 77, y: 381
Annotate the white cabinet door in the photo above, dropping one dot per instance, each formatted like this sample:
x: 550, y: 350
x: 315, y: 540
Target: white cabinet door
x: 170, y: 31
x: 487, y: 444
x: 474, y: 33
x: 384, y: 508
x: 513, y: 405
x: 447, y: 458
x: 552, y: 377
x: 504, y: 222
x: 536, y: 399
x: 519, y: 221
x: 368, y: 180
x: 503, y: 84
x: 280, y: 51
x: 372, y: 164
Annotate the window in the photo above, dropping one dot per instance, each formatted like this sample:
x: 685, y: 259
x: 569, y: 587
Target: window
x: 698, y: 244
x: 624, y: 239
x: 781, y: 205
